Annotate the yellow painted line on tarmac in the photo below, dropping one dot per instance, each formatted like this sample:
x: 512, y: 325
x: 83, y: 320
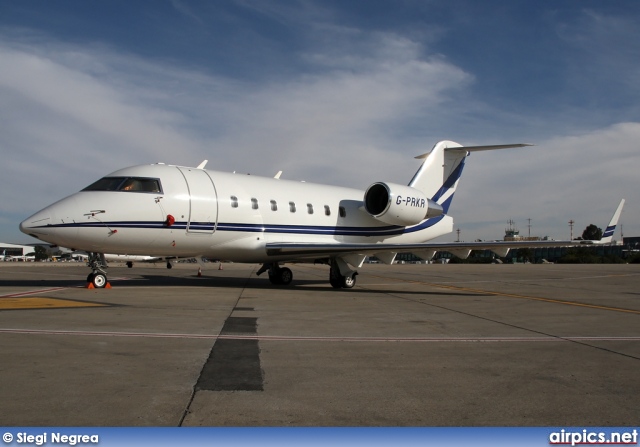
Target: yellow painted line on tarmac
x: 512, y: 295
x: 26, y: 303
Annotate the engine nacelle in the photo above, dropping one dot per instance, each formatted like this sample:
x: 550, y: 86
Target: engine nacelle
x: 398, y: 204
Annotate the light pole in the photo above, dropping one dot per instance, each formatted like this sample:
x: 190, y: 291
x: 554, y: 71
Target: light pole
x: 571, y: 222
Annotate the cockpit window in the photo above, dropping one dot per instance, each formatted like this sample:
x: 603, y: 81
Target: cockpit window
x: 132, y: 184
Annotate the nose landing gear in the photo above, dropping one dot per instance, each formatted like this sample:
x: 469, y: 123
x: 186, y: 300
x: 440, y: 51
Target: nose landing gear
x: 98, y: 277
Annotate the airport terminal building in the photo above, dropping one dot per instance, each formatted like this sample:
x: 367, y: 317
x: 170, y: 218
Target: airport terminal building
x: 7, y: 250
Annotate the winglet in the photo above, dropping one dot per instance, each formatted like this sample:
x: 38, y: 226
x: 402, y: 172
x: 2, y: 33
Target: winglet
x: 607, y: 235
x: 203, y: 164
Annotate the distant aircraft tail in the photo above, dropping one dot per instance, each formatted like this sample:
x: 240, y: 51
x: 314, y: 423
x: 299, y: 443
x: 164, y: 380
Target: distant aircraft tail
x: 440, y: 172
x: 607, y: 235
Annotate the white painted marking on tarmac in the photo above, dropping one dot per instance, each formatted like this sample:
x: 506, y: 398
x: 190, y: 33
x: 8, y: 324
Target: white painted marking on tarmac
x: 328, y: 339
x: 52, y: 289
x: 34, y: 292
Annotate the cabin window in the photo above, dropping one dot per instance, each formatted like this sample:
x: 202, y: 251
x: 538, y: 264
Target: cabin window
x: 254, y: 203
x: 128, y: 184
x: 234, y: 202
x: 274, y: 205
x: 327, y: 210
x: 342, y: 211
x: 309, y: 208
x: 292, y: 207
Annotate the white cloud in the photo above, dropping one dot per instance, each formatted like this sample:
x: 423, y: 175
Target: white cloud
x: 364, y: 108
x: 581, y: 178
x: 76, y: 113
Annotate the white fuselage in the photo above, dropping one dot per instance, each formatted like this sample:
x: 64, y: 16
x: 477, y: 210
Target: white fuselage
x: 198, y: 212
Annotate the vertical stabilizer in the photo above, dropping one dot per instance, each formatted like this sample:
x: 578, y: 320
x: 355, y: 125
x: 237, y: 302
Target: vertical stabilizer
x: 438, y: 176
x: 607, y: 235
x: 440, y: 172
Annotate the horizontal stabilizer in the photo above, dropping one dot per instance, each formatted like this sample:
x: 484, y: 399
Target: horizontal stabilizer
x: 479, y: 148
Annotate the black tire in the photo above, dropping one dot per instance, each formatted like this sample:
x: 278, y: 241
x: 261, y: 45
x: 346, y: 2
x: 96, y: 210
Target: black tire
x: 274, y: 278
x: 90, y: 277
x: 169, y: 265
x: 335, y: 279
x: 286, y: 276
x: 130, y: 264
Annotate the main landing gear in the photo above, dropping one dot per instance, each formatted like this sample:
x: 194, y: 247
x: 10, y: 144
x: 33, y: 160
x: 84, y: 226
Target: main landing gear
x: 98, y: 276
x: 277, y: 275
x: 283, y: 275
x: 339, y: 281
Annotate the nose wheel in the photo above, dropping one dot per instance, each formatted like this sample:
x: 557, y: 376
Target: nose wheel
x: 98, y: 276
x: 99, y: 280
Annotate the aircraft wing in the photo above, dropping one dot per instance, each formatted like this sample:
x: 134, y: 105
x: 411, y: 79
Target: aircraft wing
x: 354, y: 254
x: 423, y: 250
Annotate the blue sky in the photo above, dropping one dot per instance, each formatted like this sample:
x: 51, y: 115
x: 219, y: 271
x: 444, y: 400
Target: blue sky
x: 332, y: 92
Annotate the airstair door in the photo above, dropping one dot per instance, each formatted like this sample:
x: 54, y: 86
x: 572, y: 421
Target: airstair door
x: 203, y: 201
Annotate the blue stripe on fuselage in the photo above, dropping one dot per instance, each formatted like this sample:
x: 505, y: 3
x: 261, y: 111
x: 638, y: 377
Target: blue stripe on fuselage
x: 262, y: 228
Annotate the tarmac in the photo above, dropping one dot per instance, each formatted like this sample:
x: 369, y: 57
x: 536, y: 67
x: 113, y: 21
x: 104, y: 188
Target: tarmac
x: 410, y: 345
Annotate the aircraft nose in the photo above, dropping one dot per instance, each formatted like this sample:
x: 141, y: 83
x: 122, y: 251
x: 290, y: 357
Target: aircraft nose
x: 36, y: 225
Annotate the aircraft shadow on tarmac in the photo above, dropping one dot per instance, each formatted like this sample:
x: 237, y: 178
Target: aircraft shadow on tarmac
x: 315, y: 285
x: 320, y: 285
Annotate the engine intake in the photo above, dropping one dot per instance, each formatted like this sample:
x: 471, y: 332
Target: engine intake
x: 398, y: 204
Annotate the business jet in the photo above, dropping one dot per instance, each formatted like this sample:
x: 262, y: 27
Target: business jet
x: 183, y: 212
x: 23, y: 258
x: 130, y: 259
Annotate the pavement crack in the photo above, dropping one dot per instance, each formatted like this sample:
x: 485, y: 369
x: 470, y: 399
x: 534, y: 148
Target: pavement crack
x: 567, y: 339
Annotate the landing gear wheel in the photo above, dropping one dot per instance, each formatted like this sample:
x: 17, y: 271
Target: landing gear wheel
x: 338, y: 281
x: 281, y: 276
x: 99, y: 280
x: 98, y: 264
x: 286, y: 276
x: 169, y: 265
x: 349, y: 281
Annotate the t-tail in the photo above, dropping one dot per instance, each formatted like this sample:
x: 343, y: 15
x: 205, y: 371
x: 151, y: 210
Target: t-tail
x: 439, y: 174
x: 607, y: 235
